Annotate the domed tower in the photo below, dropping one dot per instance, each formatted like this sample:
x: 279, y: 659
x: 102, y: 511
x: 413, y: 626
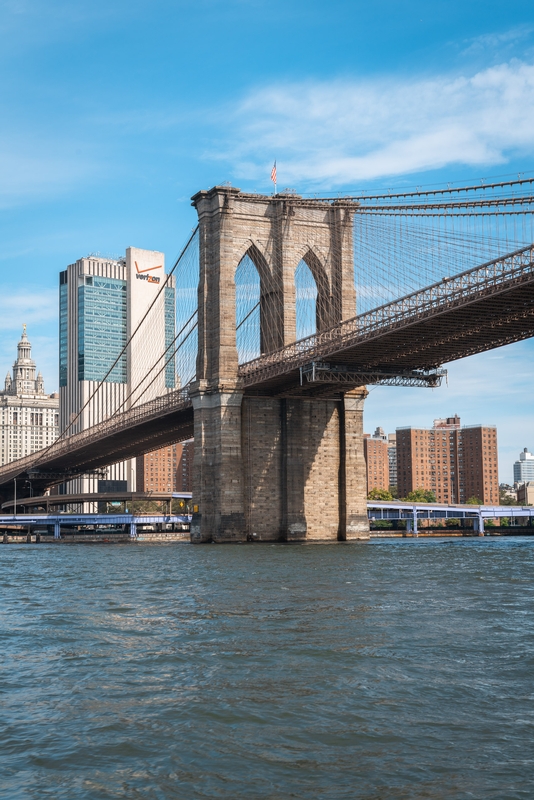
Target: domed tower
x: 7, y: 384
x: 24, y: 381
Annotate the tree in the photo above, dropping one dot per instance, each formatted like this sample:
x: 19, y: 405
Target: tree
x: 379, y: 494
x: 420, y: 496
x: 452, y: 522
x: 505, y: 498
x: 474, y: 501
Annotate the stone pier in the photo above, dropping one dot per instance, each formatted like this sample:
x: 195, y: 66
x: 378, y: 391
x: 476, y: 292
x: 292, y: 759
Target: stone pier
x: 281, y: 468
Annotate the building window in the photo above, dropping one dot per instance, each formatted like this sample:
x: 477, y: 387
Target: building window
x: 102, y: 332
x: 63, y: 327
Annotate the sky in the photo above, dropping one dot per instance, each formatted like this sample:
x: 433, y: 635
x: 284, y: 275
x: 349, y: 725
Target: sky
x: 112, y: 114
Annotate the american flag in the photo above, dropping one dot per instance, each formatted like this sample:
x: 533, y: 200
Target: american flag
x: 273, y: 173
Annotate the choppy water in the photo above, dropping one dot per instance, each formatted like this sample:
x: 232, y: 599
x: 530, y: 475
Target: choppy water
x: 390, y: 670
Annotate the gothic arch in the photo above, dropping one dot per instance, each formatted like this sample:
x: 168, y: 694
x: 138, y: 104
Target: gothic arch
x: 324, y: 293
x: 269, y: 316
x: 258, y: 258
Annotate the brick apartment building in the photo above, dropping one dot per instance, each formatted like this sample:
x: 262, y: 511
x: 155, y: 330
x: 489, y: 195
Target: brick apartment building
x: 169, y: 469
x: 455, y: 463
x: 376, y: 449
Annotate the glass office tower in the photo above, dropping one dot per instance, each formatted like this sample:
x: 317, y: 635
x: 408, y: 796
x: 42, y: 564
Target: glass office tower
x: 101, y: 304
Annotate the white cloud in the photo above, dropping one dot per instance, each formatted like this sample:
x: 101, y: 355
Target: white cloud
x: 34, y: 307
x: 332, y: 133
x: 497, y: 41
x: 38, y: 307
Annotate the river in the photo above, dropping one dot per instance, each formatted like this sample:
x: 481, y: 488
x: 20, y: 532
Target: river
x: 388, y: 670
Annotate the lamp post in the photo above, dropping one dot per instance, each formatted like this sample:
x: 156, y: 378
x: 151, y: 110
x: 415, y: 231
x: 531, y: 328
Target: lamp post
x: 15, y: 498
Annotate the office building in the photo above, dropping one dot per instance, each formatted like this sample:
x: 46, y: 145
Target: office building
x: 453, y: 462
x: 102, y: 302
x: 524, y: 468
x: 30, y: 417
x: 376, y: 460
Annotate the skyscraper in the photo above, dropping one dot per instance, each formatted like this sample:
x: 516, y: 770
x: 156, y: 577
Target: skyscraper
x: 102, y: 302
x: 524, y: 468
x: 29, y: 416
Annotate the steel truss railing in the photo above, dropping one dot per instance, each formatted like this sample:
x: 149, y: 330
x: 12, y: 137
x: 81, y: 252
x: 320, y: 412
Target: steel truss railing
x: 153, y: 409
x: 318, y: 372
x: 448, y: 293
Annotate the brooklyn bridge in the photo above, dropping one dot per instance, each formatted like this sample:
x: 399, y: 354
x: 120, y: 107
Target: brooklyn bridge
x: 287, y: 308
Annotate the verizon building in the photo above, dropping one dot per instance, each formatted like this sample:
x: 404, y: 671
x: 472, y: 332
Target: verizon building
x: 101, y: 303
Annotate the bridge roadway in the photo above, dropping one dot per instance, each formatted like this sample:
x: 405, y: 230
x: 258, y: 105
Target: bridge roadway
x: 58, y: 521
x: 388, y: 510
x: 404, y: 341
x: 414, y: 512
x: 48, y: 501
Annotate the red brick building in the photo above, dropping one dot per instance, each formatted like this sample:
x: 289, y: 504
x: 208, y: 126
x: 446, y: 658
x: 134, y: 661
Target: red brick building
x: 453, y: 462
x: 169, y: 469
x: 377, y: 460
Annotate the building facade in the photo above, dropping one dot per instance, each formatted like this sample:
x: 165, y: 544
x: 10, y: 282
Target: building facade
x: 103, y: 366
x: 30, y: 417
x: 525, y: 494
x: 184, y: 473
x: 392, y: 459
x: 453, y: 462
x: 524, y: 468
x: 376, y: 460
x: 169, y: 469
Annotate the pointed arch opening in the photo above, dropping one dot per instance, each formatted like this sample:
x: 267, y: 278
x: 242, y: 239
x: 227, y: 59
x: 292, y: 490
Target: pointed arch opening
x: 312, y: 297
x: 247, y: 310
x: 305, y: 301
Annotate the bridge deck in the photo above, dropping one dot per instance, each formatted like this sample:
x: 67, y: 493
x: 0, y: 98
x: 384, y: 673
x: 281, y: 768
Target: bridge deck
x: 480, y: 309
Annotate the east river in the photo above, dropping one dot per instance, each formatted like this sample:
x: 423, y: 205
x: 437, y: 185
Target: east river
x: 396, y: 669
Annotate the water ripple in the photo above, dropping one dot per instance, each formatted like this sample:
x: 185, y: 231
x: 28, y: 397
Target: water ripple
x: 389, y: 671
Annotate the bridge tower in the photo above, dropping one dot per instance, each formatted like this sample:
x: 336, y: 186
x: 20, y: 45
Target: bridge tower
x: 282, y: 468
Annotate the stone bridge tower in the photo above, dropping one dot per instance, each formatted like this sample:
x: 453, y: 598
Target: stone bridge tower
x: 273, y: 468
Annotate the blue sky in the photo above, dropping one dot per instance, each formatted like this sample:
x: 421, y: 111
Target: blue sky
x: 112, y: 114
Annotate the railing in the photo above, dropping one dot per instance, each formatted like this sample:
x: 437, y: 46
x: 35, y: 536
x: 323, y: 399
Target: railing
x: 158, y: 407
x: 422, y: 303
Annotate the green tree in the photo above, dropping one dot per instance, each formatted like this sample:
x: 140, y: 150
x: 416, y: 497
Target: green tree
x: 505, y: 498
x: 379, y: 494
x: 382, y: 523
x: 452, y: 522
x: 474, y: 501
x: 420, y: 496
